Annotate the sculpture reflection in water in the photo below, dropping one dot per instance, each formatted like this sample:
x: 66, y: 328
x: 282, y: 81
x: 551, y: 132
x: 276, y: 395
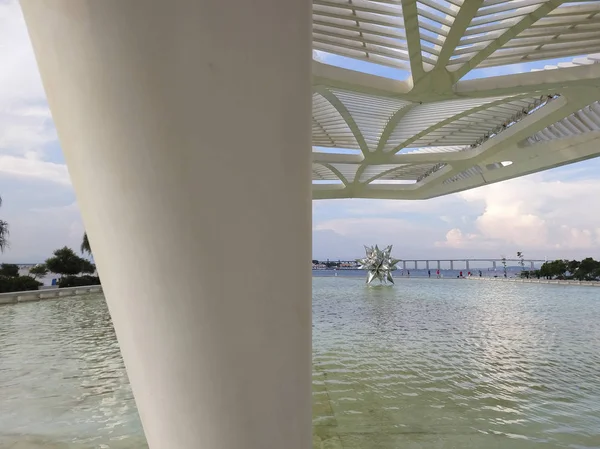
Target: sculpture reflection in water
x: 379, y: 263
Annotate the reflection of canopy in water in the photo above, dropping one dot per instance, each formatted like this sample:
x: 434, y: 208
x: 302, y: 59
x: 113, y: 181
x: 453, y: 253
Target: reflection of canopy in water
x: 379, y: 263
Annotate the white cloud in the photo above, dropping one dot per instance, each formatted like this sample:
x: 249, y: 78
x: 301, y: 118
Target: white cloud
x: 456, y: 239
x: 25, y: 121
x: 19, y: 76
x: 364, y: 226
x: 535, y: 214
x: 38, y: 201
x: 29, y: 166
x: 36, y: 232
x: 355, y: 232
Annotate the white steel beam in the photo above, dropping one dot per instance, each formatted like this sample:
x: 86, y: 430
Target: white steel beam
x: 413, y: 39
x: 341, y: 108
x: 542, y: 81
x: 521, y: 24
x: 461, y: 22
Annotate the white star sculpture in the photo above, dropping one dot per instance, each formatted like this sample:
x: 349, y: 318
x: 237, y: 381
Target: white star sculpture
x: 379, y: 263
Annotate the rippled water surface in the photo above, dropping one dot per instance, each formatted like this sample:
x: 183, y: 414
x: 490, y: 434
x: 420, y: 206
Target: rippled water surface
x: 62, y: 380
x: 425, y: 364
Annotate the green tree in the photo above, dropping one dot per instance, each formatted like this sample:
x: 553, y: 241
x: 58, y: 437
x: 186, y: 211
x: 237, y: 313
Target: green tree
x: 3, y: 233
x: 588, y: 270
x: 560, y: 268
x: 572, y: 267
x: 18, y: 284
x: 554, y: 269
x: 9, y: 270
x: 38, y: 270
x: 85, y: 245
x: 66, y: 263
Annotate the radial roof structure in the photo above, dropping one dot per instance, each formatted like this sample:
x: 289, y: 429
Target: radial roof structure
x: 421, y: 123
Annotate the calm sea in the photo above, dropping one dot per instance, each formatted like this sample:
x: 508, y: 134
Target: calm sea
x: 423, y: 364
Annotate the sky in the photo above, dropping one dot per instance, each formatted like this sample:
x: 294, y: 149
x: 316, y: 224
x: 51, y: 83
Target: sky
x: 544, y: 215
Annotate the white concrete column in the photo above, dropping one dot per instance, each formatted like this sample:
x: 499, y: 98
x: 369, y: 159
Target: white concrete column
x: 186, y: 130
x: 452, y: 265
x: 439, y: 264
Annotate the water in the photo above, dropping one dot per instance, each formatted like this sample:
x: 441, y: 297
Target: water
x: 425, y: 364
x: 62, y: 380
x: 456, y: 363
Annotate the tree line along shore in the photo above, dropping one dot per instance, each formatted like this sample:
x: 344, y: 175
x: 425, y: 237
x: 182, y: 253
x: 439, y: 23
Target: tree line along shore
x: 71, y: 269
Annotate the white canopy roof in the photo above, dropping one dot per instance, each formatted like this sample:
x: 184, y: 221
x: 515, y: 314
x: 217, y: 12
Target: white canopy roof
x: 433, y: 133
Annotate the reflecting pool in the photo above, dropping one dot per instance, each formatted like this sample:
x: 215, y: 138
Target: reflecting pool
x: 425, y: 364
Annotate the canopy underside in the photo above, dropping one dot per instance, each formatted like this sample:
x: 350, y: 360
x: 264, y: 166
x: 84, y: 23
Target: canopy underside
x: 436, y: 133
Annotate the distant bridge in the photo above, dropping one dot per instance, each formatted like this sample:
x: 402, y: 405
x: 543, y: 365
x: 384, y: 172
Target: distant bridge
x: 410, y: 263
x: 415, y: 264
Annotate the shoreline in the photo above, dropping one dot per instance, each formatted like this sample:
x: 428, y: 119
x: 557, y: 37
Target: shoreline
x: 47, y: 293
x: 477, y: 278
x: 540, y: 281
x: 55, y: 293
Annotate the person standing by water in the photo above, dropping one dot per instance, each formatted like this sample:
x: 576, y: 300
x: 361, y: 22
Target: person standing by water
x: 407, y: 273
x: 480, y: 273
x: 429, y: 273
x: 438, y: 274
